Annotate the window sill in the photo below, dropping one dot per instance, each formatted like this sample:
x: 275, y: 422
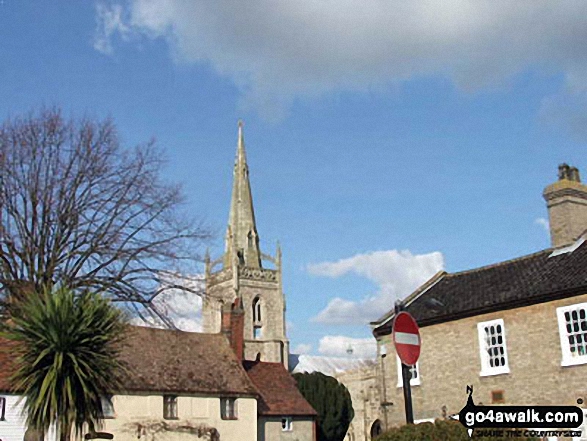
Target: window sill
x: 109, y: 417
x: 493, y: 372
x: 573, y: 361
x: 170, y: 418
x: 229, y: 419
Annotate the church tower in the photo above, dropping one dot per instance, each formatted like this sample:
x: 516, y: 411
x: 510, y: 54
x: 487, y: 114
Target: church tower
x: 240, y: 273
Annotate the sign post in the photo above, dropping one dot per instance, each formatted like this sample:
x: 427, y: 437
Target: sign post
x: 406, y: 338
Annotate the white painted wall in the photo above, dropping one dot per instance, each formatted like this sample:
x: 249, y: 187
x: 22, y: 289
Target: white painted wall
x: 14, y: 425
x: 145, y: 408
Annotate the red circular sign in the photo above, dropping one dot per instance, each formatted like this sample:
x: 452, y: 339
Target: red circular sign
x: 406, y: 338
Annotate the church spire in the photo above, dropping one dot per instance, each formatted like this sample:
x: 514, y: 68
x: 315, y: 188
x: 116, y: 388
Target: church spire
x: 242, y: 240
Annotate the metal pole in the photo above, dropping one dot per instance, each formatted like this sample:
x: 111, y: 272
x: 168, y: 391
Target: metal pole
x: 406, y: 375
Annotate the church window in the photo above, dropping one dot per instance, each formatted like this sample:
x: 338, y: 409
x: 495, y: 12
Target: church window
x: 257, y: 323
x: 286, y: 424
x: 170, y: 407
x: 257, y: 311
x: 414, y: 374
x: 493, y: 348
x: 572, y: 326
x: 228, y: 408
x: 2, y: 408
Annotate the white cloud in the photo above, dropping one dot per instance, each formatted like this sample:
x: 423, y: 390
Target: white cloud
x: 342, y: 346
x: 182, y: 307
x: 277, y: 51
x: 109, y: 22
x: 397, y: 274
x: 302, y: 348
x: 543, y: 223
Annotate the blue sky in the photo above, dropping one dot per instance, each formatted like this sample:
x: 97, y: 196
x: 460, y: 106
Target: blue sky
x: 385, y: 139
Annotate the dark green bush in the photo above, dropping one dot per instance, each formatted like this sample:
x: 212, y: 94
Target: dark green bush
x: 440, y: 430
x: 332, y: 402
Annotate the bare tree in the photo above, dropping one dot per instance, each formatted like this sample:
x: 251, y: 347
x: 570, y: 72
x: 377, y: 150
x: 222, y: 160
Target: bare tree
x: 76, y: 209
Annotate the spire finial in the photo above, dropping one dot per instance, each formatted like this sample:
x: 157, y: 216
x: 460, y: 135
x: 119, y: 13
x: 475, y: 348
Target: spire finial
x: 240, y: 132
x: 242, y: 234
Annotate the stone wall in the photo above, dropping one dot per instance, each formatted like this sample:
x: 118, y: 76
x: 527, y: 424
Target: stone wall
x: 450, y: 360
x: 362, y: 386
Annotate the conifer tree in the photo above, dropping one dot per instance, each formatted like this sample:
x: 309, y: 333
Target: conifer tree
x: 332, y: 402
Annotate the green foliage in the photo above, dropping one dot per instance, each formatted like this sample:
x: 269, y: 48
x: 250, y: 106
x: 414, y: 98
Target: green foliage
x: 331, y: 400
x: 65, y: 358
x: 440, y: 430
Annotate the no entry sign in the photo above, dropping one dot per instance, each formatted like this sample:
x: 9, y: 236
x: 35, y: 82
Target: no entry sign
x: 406, y: 338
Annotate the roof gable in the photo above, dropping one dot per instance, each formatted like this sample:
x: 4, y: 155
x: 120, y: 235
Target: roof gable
x: 279, y: 391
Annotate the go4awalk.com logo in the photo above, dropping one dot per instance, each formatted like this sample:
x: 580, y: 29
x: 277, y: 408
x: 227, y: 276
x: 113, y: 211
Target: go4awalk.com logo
x: 526, y: 420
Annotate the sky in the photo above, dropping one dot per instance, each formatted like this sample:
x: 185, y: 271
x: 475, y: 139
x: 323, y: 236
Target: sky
x: 386, y: 140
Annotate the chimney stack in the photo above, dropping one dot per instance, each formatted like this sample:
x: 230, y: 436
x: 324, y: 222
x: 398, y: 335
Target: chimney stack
x: 566, y: 200
x: 233, y: 326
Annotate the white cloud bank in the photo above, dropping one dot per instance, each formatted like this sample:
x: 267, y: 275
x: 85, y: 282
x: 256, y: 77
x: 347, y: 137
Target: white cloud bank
x: 302, y: 348
x: 276, y: 51
x: 342, y: 346
x: 397, y: 274
x: 182, y: 307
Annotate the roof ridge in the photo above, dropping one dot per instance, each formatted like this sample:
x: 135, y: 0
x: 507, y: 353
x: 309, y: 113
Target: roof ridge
x: 498, y: 264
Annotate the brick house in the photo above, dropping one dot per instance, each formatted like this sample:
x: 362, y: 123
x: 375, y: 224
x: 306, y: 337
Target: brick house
x: 515, y: 330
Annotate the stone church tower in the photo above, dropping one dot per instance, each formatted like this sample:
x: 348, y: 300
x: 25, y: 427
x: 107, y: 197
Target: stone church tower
x: 240, y: 273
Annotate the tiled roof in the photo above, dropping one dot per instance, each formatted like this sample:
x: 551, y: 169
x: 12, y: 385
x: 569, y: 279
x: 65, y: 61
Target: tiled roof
x: 184, y: 362
x: 5, y: 365
x: 535, y: 278
x: 279, y: 392
x: 166, y: 361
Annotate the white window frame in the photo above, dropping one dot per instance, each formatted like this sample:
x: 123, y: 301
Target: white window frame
x: 170, y: 411
x: 413, y: 381
x: 486, y: 369
x: 286, y: 424
x: 568, y: 359
x: 228, y: 408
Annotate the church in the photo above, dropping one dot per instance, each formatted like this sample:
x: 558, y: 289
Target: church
x: 227, y: 383
x: 241, y: 272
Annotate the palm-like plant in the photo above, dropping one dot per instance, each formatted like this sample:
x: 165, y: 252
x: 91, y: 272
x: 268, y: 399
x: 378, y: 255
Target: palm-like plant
x: 65, y: 358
